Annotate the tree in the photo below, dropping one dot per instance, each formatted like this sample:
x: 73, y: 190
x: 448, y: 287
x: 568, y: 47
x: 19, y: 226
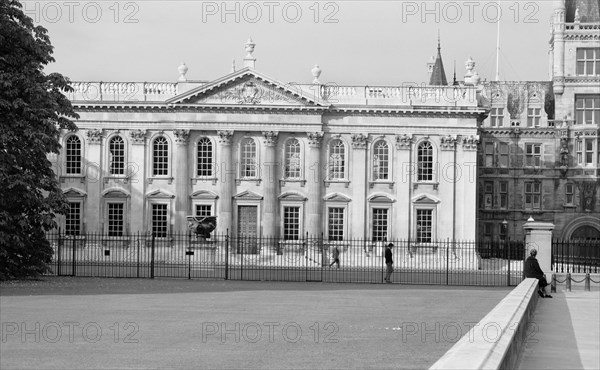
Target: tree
x: 33, y: 110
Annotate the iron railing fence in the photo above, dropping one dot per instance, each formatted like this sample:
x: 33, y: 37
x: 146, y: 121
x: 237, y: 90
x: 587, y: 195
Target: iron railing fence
x: 577, y: 256
x: 185, y: 255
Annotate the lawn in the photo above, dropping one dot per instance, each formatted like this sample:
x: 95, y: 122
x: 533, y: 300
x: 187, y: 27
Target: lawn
x: 74, y: 323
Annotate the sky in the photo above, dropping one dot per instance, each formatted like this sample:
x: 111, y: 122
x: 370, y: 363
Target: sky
x: 354, y: 42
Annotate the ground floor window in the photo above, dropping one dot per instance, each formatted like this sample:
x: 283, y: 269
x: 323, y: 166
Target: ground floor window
x: 203, y: 210
x: 291, y: 223
x: 335, y: 223
x: 424, y: 225
x: 73, y: 219
x: 115, y: 219
x: 380, y: 224
x: 159, y: 220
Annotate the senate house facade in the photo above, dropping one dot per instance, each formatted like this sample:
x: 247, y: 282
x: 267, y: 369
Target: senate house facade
x: 460, y: 160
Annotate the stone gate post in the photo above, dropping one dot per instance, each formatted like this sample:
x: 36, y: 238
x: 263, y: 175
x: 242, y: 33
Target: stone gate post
x: 538, y: 235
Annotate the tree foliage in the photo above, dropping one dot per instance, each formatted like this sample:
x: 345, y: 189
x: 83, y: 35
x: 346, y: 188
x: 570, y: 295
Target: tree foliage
x: 33, y: 110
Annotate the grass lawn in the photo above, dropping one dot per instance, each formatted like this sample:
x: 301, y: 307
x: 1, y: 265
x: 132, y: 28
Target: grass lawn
x: 76, y: 323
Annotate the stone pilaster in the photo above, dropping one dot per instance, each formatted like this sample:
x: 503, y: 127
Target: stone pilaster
x: 138, y: 177
x: 269, y: 176
x: 359, y: 178
x: 226, y: 183
x: 314, y: 181
x: 93, y: 206
x: 182, y: 180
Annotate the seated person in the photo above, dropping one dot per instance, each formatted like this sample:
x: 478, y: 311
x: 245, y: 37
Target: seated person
x: 532, y: 270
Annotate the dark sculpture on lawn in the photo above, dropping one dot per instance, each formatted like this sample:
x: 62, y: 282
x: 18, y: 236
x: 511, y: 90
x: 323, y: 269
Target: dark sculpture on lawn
x: 202, y: 226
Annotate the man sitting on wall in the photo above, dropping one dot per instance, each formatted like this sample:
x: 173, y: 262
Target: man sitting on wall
x: 532, y: 270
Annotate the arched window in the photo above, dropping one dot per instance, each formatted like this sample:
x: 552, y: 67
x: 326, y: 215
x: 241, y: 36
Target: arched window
x: 205, y: 157
x: 160, y: 156
x: 293, y: 168
x: 337, y: 160
x: 116, y: 155
x: 381, y: 160
x: 425, y: 162
x: 73, y: 155
x: 248, y: 158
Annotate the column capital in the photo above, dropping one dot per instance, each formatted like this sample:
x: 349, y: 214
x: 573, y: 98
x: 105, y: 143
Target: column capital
x: 403, y: 141
x: 95, y: 136
x: 225, y: 136
x: 314, y: 139
x: 138, y: 136
x: 448, y: 142
x: 359, y: 141
x: 470, y: 142
x: 270, y: 137
x: 182, y: 136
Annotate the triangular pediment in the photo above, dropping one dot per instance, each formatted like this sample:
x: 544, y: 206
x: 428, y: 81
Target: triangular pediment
x: 337, y: 197
x: 247, y: 87
x: 248, y: 195
x: 159, y: 193
x: 74, y: 193
x: 425, y: 199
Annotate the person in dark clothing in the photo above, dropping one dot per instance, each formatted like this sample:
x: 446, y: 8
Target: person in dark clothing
x: 336, y: 257
x: 389, y: 262
x: 532, y: 270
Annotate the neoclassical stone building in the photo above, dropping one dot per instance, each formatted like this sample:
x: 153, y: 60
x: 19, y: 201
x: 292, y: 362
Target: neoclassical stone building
x: 273, y: 159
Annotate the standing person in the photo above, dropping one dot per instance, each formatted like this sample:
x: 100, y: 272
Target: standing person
x: 336, y: 257
x: 389, y: 262
x: 532, y: 269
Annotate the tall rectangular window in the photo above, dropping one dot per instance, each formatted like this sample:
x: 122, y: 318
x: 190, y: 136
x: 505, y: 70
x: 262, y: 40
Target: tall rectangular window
x: 203, y: 210
x: 587, y: 109
x: 497, y: 117
x: 73, y: 219
x: 291, y: 223
x: 588, y: 61
x: 503, y: 155
x: 533, y: 155
x: 160, y: 157
x: 248, y: 159
x: 115, y: 219
x: 380, y: 160
x: 335, y: 223
x: 424, y: 225
x: 503, y: 187
x: 337, y: 160
x: 73, y: 155
x: 159, y: 220
x: 533, y: 195
x: 293, y: 163
x: 569, y: 193
x: 589, y: 152
x: 533, y: 117
x: 489, y: 154
x: 488, y: 191
x: 380, y: 224
x: 205, y: 157
x: 585, y: 152
x: 116, y: 153
x: 425, y: 162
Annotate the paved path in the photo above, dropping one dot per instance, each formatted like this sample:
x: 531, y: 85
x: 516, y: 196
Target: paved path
x: 565, y: 332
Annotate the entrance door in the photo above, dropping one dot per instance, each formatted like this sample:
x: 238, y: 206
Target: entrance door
x: 247, y: 229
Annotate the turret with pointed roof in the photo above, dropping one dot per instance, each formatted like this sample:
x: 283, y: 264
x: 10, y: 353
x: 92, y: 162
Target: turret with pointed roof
x: 438, y: 75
